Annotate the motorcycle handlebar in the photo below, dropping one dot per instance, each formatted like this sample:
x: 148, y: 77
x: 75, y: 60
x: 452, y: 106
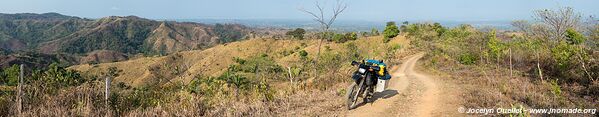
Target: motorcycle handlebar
x: 354, y: 63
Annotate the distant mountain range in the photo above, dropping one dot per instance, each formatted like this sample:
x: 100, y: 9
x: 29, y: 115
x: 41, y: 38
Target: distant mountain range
x: 341, y: 25
x: 43, y: 38
x: 56, y: 33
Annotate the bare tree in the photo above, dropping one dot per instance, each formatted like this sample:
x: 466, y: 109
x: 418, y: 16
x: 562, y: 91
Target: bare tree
x: 522, y: 25
x: 325, y: 22
x: 558, y: 21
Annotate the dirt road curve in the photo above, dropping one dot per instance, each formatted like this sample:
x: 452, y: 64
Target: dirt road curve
x: 410, y: 93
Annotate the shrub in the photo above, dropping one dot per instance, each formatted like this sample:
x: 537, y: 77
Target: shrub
x: 214, y: 87
x: 391, y: 50
x: 556, y: 88
x: 386, y: 39
x: 325, y: 35
x: 364, y: 34
x: 562, y: 55
x: 467, y: 59
x: 298, y: 33
x: 339, y: 38
x: 395, y: 47
x: 496, y: 48
x: 254, y: 64
x: 228, y: 33
x: 391, y: 30
x: 342, y: 38
x: 351, y: 36
x: 303, y: 53
x: 374, y: 32
x: 437, y: 27
x: 574, y: 37
x: 10, y: 76
x: 352, y: 51
x: 57, y: 76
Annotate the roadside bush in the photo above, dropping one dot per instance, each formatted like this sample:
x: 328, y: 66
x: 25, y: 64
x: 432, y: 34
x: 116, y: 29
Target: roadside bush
x: 574, y: 37
x: 351, y: 36
x: 374, y: 32
x: 496, y: 48
x: 467, y: 59
x: 298, y: 33
x: 562, y: 55
x: 342, y: 38
x: 255, y: 64
x: 386, y: 40
x: 339, y: 38
x: 325, y: 35
x: 303, y: 54
x: 230, y: 84
x: 391, y: 30
x: 10, y: 76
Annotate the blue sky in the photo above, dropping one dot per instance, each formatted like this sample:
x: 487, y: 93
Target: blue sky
x: 368, y: 10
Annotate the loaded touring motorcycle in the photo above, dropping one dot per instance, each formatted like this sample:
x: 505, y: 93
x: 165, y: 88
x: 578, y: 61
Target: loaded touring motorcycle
x: 365, y: 80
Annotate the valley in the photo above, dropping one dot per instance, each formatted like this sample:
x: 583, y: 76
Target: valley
x: 464, y: 61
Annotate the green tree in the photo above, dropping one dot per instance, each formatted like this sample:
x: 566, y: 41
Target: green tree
x: 112, y: 72
x: 374, y: 32
x: 228, y: 33
x: 339, y: 38
x: 439, y: 28
x: 303, y: 54
x: 391, y: 30
x: 353, y: 51
x: 10, y: 75
x: 60, y: 77
x: 496, y: 48
x: 562, y: 54
x: 298, y: 33
x: 467, y: 59
x: 574, y: 37
x: 364, y: 34
x: 351, y: 36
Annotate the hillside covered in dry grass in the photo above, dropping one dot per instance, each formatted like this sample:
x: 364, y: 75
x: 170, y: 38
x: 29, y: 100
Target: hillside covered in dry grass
x: 251, y: 77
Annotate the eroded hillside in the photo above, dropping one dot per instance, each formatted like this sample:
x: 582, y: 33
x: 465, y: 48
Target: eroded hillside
x: 183, y: 66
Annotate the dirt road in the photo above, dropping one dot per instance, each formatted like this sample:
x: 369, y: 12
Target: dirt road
x: 411, y: 93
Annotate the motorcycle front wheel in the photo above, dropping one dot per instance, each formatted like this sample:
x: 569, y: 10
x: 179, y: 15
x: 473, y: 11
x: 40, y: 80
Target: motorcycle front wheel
x: 353, y: 91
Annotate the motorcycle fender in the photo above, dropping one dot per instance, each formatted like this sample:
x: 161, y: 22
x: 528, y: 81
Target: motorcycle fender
x: 356, y: 77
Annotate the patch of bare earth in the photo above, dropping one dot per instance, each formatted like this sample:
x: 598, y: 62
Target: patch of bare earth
x: 413, y: 93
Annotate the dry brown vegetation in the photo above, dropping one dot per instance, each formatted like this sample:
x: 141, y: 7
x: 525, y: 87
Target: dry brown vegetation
x: 527, y: 69
x: 214, y: 82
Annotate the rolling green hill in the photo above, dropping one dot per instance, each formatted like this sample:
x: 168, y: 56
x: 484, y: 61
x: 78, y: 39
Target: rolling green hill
x: 56, y: 33
x: 53, y: 34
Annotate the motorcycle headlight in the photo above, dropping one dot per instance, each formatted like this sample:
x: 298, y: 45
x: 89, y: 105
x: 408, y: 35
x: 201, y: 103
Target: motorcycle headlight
x: 362, y: 70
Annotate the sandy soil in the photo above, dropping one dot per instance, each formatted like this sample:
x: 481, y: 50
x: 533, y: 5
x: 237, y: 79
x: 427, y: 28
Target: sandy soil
x: 412, y: 93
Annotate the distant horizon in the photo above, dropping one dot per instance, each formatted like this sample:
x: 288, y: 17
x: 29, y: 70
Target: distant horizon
x: 362, y: 10
x: 340, y: 24
x: 282, y: 19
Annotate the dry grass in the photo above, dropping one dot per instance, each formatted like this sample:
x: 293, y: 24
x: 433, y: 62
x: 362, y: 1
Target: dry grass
x: 317, y: 97
x: 484, y: 86
x: 214, y: 61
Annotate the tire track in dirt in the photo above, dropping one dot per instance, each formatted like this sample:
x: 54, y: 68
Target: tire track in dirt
x: 409, y: 93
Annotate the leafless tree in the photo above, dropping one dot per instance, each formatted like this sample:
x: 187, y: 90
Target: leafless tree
x: 531, y: 31
x: 522, y: 25
x: 558, y: 20
x: 325, y: 22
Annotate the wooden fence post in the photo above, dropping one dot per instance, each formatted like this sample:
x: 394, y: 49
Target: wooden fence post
x: 107, y: 96
x: 290, y: 76
x: 20, y: 88
x: 511, y: 65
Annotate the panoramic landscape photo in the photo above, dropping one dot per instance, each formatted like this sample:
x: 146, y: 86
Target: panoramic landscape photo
x: 360, y: 58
